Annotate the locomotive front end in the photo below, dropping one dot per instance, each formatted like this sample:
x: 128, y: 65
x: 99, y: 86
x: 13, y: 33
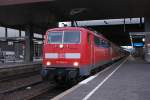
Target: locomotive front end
x: 61, y: 54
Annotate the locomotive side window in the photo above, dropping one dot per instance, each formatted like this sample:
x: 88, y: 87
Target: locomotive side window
x: 105, y: 44
x: 55, y: 37
x: 96, y: 40
x: 71, y: 37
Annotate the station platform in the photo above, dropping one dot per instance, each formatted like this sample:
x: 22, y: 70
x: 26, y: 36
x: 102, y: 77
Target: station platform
x: 11, y: 65
x: 128, y: 79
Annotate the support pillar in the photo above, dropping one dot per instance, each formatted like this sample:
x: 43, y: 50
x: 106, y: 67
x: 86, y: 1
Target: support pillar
x: 147, y: 39
x: 147, y: 29
x: 6, y: 33
x: 29, y: 44
x: 147, y: 24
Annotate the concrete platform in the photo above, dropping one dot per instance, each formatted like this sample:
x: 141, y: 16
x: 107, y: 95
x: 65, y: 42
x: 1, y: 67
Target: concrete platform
x: 12, y: 65
x: 128, y: 79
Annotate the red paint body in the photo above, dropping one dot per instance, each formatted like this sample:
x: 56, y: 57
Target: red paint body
x: 88, y: 53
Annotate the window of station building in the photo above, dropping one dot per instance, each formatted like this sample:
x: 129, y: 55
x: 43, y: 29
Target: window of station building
x: 12, y: 32
x: 36, y: 35
x: 22, y: 33
x: 2, y: 31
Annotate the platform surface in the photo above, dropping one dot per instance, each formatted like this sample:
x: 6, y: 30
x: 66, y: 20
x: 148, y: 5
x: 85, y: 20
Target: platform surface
x: 11, y: 65
x: 128, y: 79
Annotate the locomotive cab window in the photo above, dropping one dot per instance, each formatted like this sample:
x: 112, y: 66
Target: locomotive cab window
x: 71, y: 37
x: 64, y: 37
x: 55, y: 37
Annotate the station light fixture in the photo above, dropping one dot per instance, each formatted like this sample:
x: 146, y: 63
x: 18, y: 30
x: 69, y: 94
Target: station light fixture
x: 143, y: 39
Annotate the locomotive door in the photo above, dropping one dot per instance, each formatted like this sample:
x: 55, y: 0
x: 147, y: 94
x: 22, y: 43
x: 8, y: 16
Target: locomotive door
x: 91, y: 49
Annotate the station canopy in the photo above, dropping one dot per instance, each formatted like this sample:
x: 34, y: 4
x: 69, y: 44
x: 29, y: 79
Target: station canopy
x: 44, y: 11
x: 44, y: 14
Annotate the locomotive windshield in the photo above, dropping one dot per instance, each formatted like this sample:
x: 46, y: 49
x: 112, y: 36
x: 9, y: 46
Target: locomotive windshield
x: 66, y: 37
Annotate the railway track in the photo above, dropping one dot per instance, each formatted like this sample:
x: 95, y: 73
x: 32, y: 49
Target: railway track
x: 28, y: 86
x: 13, y: 72
x: 15, y: 79
x: 12, y: 85
x: 22, y: 83
x: 23, y: 88
x: 31, y: 87
x: 51, y: 93
x: 26, y: 93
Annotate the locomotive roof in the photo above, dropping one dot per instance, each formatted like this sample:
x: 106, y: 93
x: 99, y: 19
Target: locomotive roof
x: 66, y: 28
x: 79, y: 28
x: 75, y: 28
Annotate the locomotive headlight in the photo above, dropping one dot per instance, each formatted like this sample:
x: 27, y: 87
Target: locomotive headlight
x: 76, y: 64
x: 48, y: 63
x: 61, y: 46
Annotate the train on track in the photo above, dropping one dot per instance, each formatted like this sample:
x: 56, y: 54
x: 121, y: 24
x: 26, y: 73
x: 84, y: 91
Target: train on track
x: 72, y: 52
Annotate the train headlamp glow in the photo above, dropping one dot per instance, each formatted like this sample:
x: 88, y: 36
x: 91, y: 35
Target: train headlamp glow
x: 61, y: 46
x: 48, y: 63
x: 76, y: 64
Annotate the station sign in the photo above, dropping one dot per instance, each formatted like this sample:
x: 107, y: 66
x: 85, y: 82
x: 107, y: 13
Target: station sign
x: 138, y: 44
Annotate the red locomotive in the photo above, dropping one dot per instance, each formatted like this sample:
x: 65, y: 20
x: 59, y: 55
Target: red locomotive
x: 72, y: 52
